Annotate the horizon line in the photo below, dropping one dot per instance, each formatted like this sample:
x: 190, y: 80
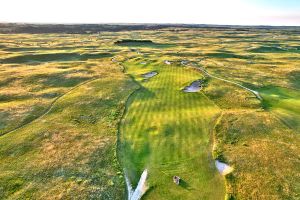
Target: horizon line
x: 141, y: 23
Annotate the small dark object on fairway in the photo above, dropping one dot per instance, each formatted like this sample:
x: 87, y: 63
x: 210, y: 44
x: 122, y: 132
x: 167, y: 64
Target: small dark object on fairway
x: 176, y: 180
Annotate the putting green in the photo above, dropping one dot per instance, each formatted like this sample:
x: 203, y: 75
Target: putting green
x: 168, y: 132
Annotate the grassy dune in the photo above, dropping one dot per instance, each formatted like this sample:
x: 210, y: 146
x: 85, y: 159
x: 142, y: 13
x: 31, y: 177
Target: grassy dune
x: 35, y: 71
x: 256, y: 143
x: 70, y: 152
x: 168, y: 132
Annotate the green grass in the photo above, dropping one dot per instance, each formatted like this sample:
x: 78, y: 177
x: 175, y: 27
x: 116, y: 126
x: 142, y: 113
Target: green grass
x: 54, y: 57
x: 274, y: 49
x: 263, y: 147
x: 143, y: 43
x: 227, y: 55
x: 168, y: 132
x: 255, y: 142
x: 71, y: 151
x: 284, y: 103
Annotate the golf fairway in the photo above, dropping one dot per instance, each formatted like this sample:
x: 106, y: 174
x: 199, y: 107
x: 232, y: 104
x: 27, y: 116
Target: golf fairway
x: 168, y: 132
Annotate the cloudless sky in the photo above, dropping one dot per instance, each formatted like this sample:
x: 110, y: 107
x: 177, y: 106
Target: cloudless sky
x: 234, y: 12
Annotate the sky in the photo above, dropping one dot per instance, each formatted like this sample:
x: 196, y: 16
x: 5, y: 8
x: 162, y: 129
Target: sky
x: 224, y: 12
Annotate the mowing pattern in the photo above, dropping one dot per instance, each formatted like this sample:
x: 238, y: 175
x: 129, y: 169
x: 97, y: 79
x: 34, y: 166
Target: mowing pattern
x: 167, y: 131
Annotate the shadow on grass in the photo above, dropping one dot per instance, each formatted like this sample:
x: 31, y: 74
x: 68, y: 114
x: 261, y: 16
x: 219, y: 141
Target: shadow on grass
x: 54, y: 57
x: 228, y: 55
x: 294, y: 78
x: 144, y: 94
x: 184, y: 184
x: 274, y: 49
x: 148, y: 192
x: 55, y: 80
x: 142, y: 43
x: 134, y: 157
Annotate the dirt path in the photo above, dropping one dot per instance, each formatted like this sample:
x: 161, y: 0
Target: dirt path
x: 257, y: 95
x: 49, y: 107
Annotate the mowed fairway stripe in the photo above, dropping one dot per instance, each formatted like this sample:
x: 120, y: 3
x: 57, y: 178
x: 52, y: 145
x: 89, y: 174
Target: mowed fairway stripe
x: 167, y: 132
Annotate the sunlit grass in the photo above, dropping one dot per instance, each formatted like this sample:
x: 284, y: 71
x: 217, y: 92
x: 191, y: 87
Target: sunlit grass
x: 168, y: 132
x: 71, y: 151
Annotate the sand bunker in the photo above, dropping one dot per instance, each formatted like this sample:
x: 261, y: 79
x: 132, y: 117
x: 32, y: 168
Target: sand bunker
x: 167, y: 62
x: 184, y: 62
x: 223, y: 168
x: 143, y: 63
x: 257, y: 95
x: 194, y: 86
x: 141, y: 188
x: 149, y: 74
x: 114, y: 59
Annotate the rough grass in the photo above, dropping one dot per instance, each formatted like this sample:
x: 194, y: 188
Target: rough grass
x: 31, y: 82
x: 54, y: 57
x: 256, y: 143
x: 270, y: 154
x: 70, y: 152
x: 168, y: 132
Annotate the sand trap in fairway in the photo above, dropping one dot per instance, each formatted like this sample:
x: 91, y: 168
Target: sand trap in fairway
x: 223, y: 168
x: 167, y: 62
x: 184, y: 62
x: 149, y: 74
x: 193, y: 87
x: 257, y: 95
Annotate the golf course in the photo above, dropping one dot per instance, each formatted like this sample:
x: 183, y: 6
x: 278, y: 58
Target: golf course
x: 151, y: 113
